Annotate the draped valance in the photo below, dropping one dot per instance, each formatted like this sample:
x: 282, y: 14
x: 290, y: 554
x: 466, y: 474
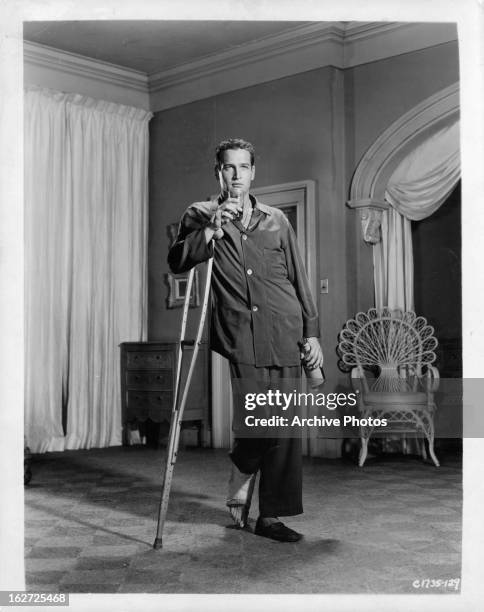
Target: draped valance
x: 417, y: 188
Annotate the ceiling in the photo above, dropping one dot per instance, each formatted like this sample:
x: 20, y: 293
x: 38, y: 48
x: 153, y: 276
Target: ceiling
x: 151, y: 46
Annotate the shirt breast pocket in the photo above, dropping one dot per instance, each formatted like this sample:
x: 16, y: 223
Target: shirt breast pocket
x: 275, y: 260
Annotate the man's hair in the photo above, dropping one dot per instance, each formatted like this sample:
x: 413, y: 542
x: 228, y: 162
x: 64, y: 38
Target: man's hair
x: 233, y: 143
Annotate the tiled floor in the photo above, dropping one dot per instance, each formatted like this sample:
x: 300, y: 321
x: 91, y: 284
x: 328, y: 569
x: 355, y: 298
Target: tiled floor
x: 91, y: 522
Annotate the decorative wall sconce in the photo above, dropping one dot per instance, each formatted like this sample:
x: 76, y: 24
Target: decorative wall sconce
x: 371, y: 212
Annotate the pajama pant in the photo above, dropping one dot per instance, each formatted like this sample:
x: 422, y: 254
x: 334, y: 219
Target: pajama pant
x: 279, y: 459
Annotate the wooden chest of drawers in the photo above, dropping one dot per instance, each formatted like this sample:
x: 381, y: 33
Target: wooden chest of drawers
x: 147, y: 384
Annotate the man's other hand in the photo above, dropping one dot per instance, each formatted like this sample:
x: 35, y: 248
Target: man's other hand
x: 314, y: 356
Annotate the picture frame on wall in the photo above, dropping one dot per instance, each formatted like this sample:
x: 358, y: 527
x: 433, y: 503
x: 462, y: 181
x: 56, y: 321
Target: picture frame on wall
x: 177, y: 288
x: 177, y: 283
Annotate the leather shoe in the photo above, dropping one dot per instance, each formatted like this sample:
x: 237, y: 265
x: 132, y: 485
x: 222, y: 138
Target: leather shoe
x: 276, y: 531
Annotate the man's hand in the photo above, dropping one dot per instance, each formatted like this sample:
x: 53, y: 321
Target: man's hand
x: 314, y: 356
x: 228, y: 210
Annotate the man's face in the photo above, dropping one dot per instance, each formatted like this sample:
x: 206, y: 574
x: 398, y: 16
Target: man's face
x: 236, y: 173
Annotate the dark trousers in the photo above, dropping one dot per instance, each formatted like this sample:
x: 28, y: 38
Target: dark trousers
x: 279, y: 459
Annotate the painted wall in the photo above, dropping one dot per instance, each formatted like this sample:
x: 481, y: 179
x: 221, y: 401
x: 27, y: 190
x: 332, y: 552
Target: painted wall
x: 376, y: 95
x: 296, y: 124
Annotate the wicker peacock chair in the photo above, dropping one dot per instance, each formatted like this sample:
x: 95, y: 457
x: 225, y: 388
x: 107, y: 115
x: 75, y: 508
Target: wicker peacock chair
x: 391, y: 354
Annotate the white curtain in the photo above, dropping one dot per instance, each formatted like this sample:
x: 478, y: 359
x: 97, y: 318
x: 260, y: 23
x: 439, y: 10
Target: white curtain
x: 417, y: 188
x: 86, y: 165
x: 393, y: 262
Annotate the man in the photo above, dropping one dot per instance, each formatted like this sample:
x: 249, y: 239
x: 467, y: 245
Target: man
x: 261, y: 310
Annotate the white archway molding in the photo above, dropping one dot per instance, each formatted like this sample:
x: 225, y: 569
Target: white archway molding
x: 383, y: 225
x: 389, y: 149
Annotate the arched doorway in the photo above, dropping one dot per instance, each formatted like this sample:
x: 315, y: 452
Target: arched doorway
x: 422, y: 132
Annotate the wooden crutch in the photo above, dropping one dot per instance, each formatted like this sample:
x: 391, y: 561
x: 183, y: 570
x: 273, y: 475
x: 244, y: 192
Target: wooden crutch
x: 179, y: 407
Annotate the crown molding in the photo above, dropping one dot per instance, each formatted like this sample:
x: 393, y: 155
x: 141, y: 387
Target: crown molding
x: 357, y: 30
x: 250, y: 53
x: 308, y: 47
x: 302, y: 37
x: 82, y: 66
x: 370, y: 42
x: 301, y: 49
